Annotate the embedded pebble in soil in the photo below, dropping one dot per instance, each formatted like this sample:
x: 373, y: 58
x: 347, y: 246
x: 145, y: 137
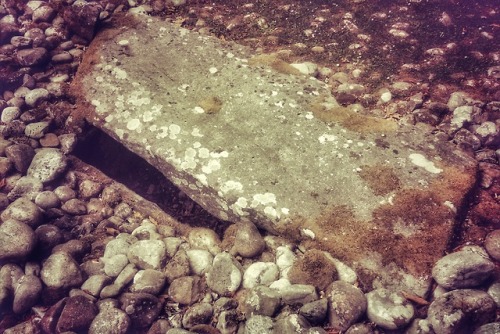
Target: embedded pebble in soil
x: 47, y: 164
x: 461, y: 311
x: 389, y: 309
x: 61, y: 271
x: 463, y: 269
x: 17, y: 240
x: 23, y: 210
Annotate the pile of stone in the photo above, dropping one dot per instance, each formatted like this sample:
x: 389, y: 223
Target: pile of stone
x: 76, y: 257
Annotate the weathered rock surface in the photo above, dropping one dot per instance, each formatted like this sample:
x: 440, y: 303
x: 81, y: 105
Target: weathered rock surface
x: 252, y: 144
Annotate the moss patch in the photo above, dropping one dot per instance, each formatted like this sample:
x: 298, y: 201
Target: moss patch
x: 381, y: 179
x: 211, y: 104
x: 275, y: 62
x: 349, y: 119
x: 313, y: 268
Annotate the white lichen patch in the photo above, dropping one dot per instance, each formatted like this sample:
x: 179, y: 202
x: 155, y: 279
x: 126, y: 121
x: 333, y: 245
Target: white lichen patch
x: 421, y: 161
x: 196, y: 133
x: 204, y: 153
x: 212, y: 166
x: 213, y: 70
x: 174, y: 130
x: 327, y: 138
x: 451, y: 206
x: 119, y: 73
x: 263, y: 199
x: 231, y: 185
x: 271, y: 212
x: 202, y: 178
x: 198, y: 110
x: 134, y: 124
x: 123, y: 42
x: 308, y: 233
x: 239, y: 206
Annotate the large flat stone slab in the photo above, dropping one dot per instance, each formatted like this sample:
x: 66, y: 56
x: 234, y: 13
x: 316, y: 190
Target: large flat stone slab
x: 249, y: 139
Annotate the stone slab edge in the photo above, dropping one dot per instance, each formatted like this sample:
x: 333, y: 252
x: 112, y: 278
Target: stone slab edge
x: 369, y: 245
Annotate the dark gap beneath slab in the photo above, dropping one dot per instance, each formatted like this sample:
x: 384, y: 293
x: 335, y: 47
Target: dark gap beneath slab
x: 100, y: 150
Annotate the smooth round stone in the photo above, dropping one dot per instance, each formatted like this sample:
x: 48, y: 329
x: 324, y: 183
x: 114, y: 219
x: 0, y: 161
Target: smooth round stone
x: 178, y: 266
x: 285, y: 258
x: 48, y: 236
x: 365, y: 329
x: 296, y: 294
x: 146, y: 232
x: 23, y: 210
x: 26, y: 186
x: 63, y: 57
x: 346, y: 304
x: 494, y: 292
x: 259, y: 324
x: 4, y: 143
x: 492, y: 244
x: 89, y: 188
x: 147, y: 254
x: 186, y: 290
x: 64, y: 193
x: 115, y: 264
x: 47, y: 200
x: 204, y: 238
x: 111, y: 195
x: 248, y: 240
x: 36, y: 130
x: 10, y: 113
x: 5, y: 166
x: 262, y: 300
x: 462, y: 269
x: 43, y: 14
x: 110, y: 320
x: 17, y: 240
x: 26, y: 294
x: 32, y: 57
x: 461, y: 311
x: 123, y: 210
x: 95, y: 283
x: 36, y: 96
x: 260, y: 273
x: 119, y: 245
x: 491, y: 328
x: 75, y: 206
x: 200, y: 261
x: 172, y: 244
x: 388, y: 309
x: 225, y: 276
x: 76, y: 248
x: 126, y: 276
x: 148, y: 281
x: 49, y: 140
x: 315, y: 312
x: 48, y: 164
x: 197, y: 314
x: 61, y: 271
x: 293, y: 323
x: 24, y: 327
x: 21, y: 156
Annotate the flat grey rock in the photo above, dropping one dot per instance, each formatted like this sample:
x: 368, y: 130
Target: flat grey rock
x: 251, y: 139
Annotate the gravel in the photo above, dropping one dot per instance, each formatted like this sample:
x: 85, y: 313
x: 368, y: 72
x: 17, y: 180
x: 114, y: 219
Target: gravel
x: 75, y: 256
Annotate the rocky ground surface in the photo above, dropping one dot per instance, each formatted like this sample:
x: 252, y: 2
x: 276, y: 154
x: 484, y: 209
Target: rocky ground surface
x: 79, y: 253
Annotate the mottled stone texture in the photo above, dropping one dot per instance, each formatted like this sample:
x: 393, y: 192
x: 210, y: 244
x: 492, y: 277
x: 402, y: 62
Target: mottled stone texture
x: 250, y: 139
